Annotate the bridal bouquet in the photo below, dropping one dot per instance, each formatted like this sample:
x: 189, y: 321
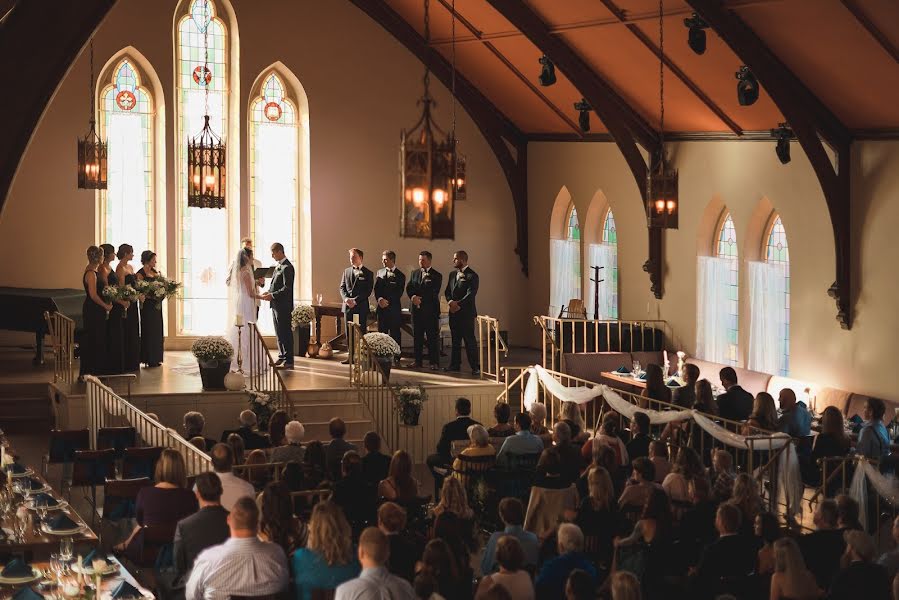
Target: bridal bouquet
x: 302, y: 315
x: 381, y: 344
x: 172, y: 287
x: 153, y: 290
x: 123, y: 293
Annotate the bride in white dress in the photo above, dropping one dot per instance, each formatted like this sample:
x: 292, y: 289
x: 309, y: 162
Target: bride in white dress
x: 242, y: 302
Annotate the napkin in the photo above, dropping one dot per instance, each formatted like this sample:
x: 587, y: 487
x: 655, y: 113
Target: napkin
x: 88, y: 562
x: 43, y: 499
x: 33, y: 484
x: 622, y: 370
x: 62, y: 522
x: 672, y: 383
x: 26, y: 593
x: 17, y: 468
x: 642, y: 377
x: 126, y: 590
x: 16, y: 568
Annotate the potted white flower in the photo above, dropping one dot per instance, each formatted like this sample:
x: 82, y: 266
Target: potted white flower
x: 213, y: 354
x: 408, y: 402
x: 384, y: 348
x: 300, y: 319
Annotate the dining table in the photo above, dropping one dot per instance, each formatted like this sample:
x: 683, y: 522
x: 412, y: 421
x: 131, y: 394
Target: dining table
x: 631, y: 383
x: 58, y: 584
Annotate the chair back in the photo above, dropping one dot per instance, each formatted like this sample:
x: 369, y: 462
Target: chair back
x: 140, y: 462
x: 304, y: 501
x: 93, y: 467
x: 151, y: 544
x: 259, y: 473
x: 117, y: 438
x: 120, y: 496
x: 64, y: 443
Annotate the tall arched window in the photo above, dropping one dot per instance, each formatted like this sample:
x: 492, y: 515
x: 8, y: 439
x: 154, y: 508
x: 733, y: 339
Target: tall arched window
x: 610, y: 274
x: 769, y: 304
x: 778, y: 253
x: 202, y: 251
x: 273, y: 173
x: 565, y: 263
x: 127, y: 117
x: 727, y: 249
x: 717, y: 297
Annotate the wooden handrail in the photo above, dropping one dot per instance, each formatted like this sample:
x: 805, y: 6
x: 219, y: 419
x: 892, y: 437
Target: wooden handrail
x: 490, y: 343
x: 375, y: 394
x: 267, y: 381
x: 62, y: 336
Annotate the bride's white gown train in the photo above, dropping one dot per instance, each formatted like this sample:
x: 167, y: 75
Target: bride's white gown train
x: 242, y: 301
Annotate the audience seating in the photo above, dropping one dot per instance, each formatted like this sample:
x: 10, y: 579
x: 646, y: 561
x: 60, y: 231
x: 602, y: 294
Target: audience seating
x: 140, y: 462
x: 117, y: 438
x: 90, y: 469
x: 63, y: 445
x: 304, y: 501
x: 547, y: 507
x: 119, y: 499
x: 153, y: 545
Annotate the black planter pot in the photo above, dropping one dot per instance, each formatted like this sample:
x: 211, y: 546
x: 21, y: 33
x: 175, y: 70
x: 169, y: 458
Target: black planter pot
x: 301, y: 339
x: 385, y: 363
x: 410, y: 417
x: 213, y: 373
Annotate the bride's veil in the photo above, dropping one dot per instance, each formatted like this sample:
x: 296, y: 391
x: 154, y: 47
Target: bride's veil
x: 234, y: 290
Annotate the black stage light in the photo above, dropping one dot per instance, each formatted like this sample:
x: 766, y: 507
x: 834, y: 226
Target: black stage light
x: 548, y: 72
x: 583, y: 119
x: 696, y: 33
x: 747, y: 86
x: 783, y: 134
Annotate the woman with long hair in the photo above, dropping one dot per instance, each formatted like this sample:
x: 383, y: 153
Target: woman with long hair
x: 115, y: 322
x: 276, y: 521
x: 94, y: 310
x: 655, y: 385
x: 767, y: 529
x: 125, y: 273
x: 151, y: 322
x: 653, y: 533
x: 277, y: 424
x: 746, y: 498
x: 763, y: 417
x: 314, y: 469
x: 705, y: 399
x: 438, y: 562
x: 453, y: 499
x: 598, y: 515
x: 571, y: 413
x: 399, y: 486
x: 258, y: 476
x: 237, y: 447
x: 328, y: 558
x: 791, y: 579
x: 832, y: 441
x: 687, y: 466
x: 450, y: 528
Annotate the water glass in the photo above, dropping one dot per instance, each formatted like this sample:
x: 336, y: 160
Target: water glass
x: 636, y: 368
x: 65, y: 548
x: 56, y: 567
x: 318, y: 299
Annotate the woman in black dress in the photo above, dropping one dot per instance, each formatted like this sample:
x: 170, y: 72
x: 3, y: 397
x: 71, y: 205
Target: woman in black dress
x: 150, y: 315
x: 92, y: 345
x: 115, y: 324
x: 125, y: 272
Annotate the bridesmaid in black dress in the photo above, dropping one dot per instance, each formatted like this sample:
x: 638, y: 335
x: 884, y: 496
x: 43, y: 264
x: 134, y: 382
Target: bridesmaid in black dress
x: 150, y: 315
x: 92, y: 346
x: 125, y: 272
x: 115, y: 324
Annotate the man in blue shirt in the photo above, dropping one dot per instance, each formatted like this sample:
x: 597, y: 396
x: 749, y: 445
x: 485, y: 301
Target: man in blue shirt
x: 511, y: 511
x: 523, y: 442
x: 795, y: 418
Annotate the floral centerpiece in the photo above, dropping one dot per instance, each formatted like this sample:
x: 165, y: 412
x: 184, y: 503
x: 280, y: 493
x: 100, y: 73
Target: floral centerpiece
x: 123, y: 293
x: 301, y: 315
x: 384, y: 348
x: 408, y: 400
x: 300, y: 318
x: 261, y: 404
x: 213, y: 354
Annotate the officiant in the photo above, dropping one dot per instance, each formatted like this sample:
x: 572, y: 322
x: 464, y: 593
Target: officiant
x: 280, y: 296
x: 355, y: 288
x: 389, y: 287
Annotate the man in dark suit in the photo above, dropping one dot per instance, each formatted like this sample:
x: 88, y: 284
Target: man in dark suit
x: 452, y: 431
x: 424, y: 292
x: 252, y: 439
x: 823, y: 548
x: 355, y: 288
x: 460, y: 292
x: 280, y: 296
x: 390, y: 284
x: 735, y: 403
x: 404, y: 550
x: 731, y: 557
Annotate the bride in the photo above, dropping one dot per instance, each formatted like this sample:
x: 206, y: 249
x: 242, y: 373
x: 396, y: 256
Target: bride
x: 242, y: 303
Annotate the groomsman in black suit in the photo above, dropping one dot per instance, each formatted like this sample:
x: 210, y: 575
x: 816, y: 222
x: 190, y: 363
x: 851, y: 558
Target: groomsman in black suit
x: 355, y: 288
x: 461, y: 291
x: 424, y: 291
x: 389, y: 287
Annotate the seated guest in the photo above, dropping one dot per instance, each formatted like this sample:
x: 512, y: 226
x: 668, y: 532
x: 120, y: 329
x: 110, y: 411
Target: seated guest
x: 767, y: 530
x: 399, y: 486
x: 511, y: 575
x: 353, y: 493
x: 456, y: 429
x: 873, y: 439
x: 538, y: 419
x: 233, y: 487
x: 511, y: 513
x: 723, y: 475
x: 276, y: 427
x: 641, y: 484
x: 194, y: 423
x: 327, y: 560
x: 404, y: 551
x: 550, y: 581
x: 438, y: 561
x: 597, y: 515
x: 291, y: 450
x: 824, y: 547
x: 522, y: 443
x: 458, y: 537
x: 795, y: 418
x: 243, y: 565
x: 276, y: 521
x: 735, y: 404
x: 336, y: 448
x: 732, y: 555
x: 549, y: 470
x: 655, y: 524
x: 375, y: 463
x: 580, y: 586
x: 453, y: 499
x: 705, y: 399
x: 314, y: 469
x: 697, y: 523
x: 685, y: 396
x: 252, y: 439
x: 375, y: 581
x: 791, y: 580
x: 687, y: 466
x: 640, y: 440
x: 764, y: 416
x: 257, y: 476
x: 655, y: 387
x: 860, y: 576
x: 604, y: 457
x: 572, y: 460
x: 480, y: 446
x: 832, y: 440
x: 292, y: 476
x: 847, y: 513
x: 658, y: 454
x: 571, y: 413
x: 625, y: 586
x: 501, y: 412
x: 746, y: 498
x: 237, y: 447
x: 890, y: 559
x: 608, y: 436
x: 198, y: 442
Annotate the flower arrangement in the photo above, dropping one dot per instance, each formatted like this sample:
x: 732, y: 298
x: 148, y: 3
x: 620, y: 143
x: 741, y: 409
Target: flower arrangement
x: 261, y: 404
x: 158, y: 289
x: 172, y: 287
x: 301, y: 315
x: 408, y: 401
x: 381, y: 344
x: 123, y: 293
x: 212, y: 347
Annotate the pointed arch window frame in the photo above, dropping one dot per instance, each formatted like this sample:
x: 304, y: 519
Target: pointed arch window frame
x: 611, y: 278
x: 781, y: 256
x: 730, y: 250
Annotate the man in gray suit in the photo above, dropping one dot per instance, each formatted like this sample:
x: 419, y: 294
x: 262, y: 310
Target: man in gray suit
x: 280, y: 296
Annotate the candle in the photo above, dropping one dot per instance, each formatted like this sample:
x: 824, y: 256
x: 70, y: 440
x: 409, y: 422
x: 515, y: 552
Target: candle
x: 238, y: 320
x: 356, y: 319
x: 665, y: 356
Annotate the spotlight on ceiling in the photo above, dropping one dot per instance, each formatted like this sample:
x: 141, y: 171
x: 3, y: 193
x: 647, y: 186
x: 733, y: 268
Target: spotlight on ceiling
x: 583, y: 119
x: 548, y: 72
x: 696, y: 33
x: 747, y: 87
x: 784, y: 134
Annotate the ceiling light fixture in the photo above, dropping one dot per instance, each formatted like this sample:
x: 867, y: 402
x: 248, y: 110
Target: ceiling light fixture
x: 696, y: 33
x: 583, y: 119
x: 784, y: 134
x: 547, y: 72
x: 747, y: 86
x: 92, y: 151
x: 662, y: 200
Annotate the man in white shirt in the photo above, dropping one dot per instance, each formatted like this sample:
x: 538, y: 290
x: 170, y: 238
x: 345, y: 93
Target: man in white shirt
x: 243, y: 565
x: 233, y: 487
x: 375, y: 582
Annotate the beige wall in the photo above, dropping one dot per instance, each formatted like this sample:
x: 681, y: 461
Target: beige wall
x: 744, y: 177
x: 362, y: 88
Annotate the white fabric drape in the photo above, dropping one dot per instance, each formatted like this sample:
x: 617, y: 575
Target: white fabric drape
x: 537, y: 374
x: 886, y: 486
x: 713, y: 277
x: 127, y: 221
x: 767, y: 310
x: 606, y: 256
x: 565, y: 265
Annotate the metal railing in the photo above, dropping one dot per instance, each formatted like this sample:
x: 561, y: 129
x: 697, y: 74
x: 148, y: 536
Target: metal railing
x: 108, y: 409
x: 375, y: 393
x: 265, y: 378
x: 490, y: 344
x: 62, y: 336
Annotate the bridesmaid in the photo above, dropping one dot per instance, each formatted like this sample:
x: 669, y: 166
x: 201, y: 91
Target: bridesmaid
x: 125, y: 272
x: 92, y: 345
x: 150, y: 315
x: 115, y: 324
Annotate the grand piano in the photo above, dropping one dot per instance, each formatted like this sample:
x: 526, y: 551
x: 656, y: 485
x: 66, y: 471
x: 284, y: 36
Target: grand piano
x: 22, y: 309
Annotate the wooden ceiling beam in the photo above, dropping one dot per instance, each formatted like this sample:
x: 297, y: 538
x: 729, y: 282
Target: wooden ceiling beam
x: 872, y: 29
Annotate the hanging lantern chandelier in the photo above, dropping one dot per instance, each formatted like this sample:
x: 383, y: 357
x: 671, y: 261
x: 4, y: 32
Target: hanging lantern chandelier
x: 206, y: 151
x: 92, y: 151
x: 662, y: 205
x: 428, y: 175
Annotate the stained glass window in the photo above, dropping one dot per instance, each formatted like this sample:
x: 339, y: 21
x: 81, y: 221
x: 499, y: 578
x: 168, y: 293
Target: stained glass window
x: 127, y: 118
x: 574, y: 235
x: 610, y: 238
x: 203, y: 259
x: 727, y: 248
x: 574, y: 229
x: 777, y: 251
x: 273, y: 175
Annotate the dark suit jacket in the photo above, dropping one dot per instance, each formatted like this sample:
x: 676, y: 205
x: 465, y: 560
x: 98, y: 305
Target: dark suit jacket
x: 684, y: 397
x: 822, y: 551
x: 456, y: 429
x: 572, y: 462
x: 404, y: 553
x: 334, y: 452
x: 358, y: 288
x: 281, y: 287
x: 729, y: 556
x: 375, y: 467
x: 429, y: 290
x: 391, y: 289
x: 735, y: 404
x: 206, y: 527
x: 861, y: 580
x: 252, y: 440
x: 463, y: 287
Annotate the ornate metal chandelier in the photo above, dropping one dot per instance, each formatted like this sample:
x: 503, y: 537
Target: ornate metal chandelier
x: 206, y: 151
x: 92, y: 151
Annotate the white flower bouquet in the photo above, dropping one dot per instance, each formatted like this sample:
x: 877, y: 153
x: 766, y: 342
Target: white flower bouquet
x: 172, y: 287
x: 212, y: 347
x: 261, y: 404
x: 152, y: 290
x: 381, y: 344
x: 123, y: 293
x: 302, y: 314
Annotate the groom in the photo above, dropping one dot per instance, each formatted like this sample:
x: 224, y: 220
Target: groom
x: 280, y: 296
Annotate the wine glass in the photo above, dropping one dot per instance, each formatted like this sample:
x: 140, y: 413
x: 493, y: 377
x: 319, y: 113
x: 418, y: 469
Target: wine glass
x: 318, y: 299
x: 56, y: 567
x: 636, y: 368
x: 65, y: 548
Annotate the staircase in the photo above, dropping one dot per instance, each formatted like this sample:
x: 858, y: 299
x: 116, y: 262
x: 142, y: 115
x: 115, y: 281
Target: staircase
x: 25, y: 408
x: 315, y: 408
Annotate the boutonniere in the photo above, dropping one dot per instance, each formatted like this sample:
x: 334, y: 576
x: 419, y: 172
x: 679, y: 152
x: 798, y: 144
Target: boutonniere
x: 390, y: 274
x: 461, y: 277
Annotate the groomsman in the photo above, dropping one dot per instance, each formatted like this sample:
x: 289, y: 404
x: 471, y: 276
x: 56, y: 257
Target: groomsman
x: 389, y: 287
x: 355, y: 288
x: 460, y: 292
x: 424, y: 291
